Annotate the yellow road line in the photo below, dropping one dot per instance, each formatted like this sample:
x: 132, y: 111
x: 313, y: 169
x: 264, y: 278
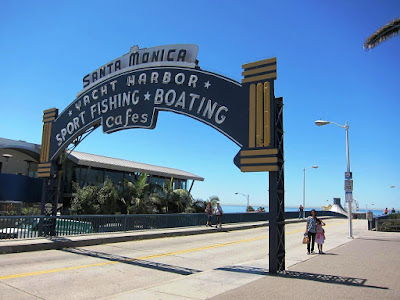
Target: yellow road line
x: 147, y: 257
x: 132, y: 259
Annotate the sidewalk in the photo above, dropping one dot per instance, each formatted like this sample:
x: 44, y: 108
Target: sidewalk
x: 367, y: 267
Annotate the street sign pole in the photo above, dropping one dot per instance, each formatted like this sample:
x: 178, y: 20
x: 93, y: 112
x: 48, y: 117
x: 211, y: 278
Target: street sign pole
x: 349, y: 192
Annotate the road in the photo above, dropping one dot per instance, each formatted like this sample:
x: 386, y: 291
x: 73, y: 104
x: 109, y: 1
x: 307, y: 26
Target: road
x: 107, y: 270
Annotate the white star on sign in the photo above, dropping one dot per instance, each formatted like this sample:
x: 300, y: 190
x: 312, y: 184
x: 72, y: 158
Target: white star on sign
x: 207, y: 84
x: 70, y: 113
x: 147, y: 96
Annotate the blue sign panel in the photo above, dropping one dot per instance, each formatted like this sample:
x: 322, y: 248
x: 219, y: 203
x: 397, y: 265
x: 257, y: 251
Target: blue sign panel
x: 133, y: 100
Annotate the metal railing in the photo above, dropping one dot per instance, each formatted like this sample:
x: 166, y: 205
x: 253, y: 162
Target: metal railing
x: 387, y: 224
x: 373, y: 222
x: 20, y: 227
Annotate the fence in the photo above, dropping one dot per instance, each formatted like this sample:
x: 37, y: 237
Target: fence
x: 372, y: 224
x: 19, y: 227
x: 387, y: 224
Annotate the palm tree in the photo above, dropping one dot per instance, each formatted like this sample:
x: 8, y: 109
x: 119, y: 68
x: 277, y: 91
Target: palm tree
x: 198, y: 206
x: 168, y: 200
x: 136, y: 196
x: 214, y: 200
x: 385, y: 32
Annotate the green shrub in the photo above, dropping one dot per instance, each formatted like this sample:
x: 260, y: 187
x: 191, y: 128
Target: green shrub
x: 30, y: 211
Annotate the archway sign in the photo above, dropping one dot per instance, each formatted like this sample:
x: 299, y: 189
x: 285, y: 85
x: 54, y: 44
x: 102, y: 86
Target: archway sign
x: 131, y: 90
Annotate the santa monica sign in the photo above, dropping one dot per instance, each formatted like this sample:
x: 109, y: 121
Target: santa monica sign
x: 129, y: 91
x: 180, y: 55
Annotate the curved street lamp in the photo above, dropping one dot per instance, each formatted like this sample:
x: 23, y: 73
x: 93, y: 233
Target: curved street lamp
x: 248, y: 202
x: 349, y: 194
x: 304, y: 188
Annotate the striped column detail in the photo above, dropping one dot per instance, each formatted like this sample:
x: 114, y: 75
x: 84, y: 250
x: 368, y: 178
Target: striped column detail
x: 259, y: 70
x: 44, y: 167
x: 259, y: 160
x: 260, y: 101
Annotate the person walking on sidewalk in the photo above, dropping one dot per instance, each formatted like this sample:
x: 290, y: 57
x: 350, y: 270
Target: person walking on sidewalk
x: 301, y: 210
x: 320, y: 237
x: 209, y: 211
x: 311, y: 230
x: 218, y: 214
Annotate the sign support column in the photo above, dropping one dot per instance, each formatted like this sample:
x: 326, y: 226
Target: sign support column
x: 277, y: 199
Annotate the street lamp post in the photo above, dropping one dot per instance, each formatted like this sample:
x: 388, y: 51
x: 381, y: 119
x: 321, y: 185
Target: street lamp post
x: 394, y: 187
x: 304, y: 188
x: 366, y: 206
x: 349, y: 192
x: 248, y: 202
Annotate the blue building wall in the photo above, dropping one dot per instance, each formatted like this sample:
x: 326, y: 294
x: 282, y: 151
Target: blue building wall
x: 20, y: 188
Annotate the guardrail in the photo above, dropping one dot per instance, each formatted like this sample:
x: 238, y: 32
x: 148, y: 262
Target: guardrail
x: 20, y: 227
x: 387, y: 224
x: 372, y: 223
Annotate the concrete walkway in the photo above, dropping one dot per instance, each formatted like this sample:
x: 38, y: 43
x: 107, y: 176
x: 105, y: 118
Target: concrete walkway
x: 367, y: 267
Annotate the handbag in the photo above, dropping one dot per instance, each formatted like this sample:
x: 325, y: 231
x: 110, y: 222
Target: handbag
x: 305, y: 239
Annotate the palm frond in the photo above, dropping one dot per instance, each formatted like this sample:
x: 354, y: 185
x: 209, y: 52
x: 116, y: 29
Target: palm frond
x: 385, y: 32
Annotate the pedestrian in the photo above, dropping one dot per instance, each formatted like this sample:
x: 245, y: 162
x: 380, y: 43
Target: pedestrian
x: 385, y: 212
x: 311, y: 230
x: 209, y: 211
x: 301, y: 210
x: 393, y: 210
x: 218, y: 214
x: 320, y: 237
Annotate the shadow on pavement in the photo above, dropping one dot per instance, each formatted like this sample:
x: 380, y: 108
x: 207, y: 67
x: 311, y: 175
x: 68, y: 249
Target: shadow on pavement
x: 350, y: 281
x: 383, y: 239
x: 133, y: 261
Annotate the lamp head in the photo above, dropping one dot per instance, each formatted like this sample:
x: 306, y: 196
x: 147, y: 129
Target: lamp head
x: 321, y: 122
x: 315, y: 167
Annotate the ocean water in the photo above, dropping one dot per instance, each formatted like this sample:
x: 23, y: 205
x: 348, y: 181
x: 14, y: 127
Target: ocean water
x: 242, y: 209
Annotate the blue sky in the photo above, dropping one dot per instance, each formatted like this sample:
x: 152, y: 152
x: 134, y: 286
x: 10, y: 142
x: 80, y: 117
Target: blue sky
x: 323, y: 73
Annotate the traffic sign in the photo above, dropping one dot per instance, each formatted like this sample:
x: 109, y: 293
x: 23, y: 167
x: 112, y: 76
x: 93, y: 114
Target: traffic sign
x: 348, y: 185
x: 348, y: 175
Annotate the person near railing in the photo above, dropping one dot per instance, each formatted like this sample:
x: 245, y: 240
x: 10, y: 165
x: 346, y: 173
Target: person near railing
x: 218, y: 214
x: 301, y: 209
x: 209, y: 211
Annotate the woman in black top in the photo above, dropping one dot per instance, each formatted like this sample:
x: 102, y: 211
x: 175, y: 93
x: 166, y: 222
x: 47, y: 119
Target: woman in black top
x: 311, y: 230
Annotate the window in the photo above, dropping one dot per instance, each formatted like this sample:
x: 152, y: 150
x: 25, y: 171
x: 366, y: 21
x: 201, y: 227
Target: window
x: 161, y: 181
x: 95, y: 176
x: 154, y: 179
x: 117, y: 178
